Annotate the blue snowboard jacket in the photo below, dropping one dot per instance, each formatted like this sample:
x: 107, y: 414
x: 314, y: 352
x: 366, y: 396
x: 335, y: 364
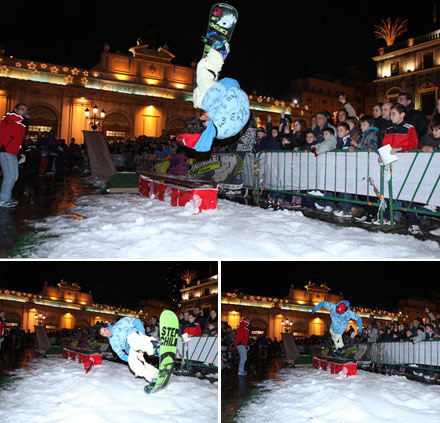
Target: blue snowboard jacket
x: 340, y: 321
x: 228, y: 108
x: 120, y: 331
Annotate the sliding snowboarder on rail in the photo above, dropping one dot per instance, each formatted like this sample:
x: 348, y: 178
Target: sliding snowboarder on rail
x: 340, y: 315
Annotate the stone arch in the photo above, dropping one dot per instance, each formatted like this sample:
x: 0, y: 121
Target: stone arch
x: 393, y: 93
x: 299, y: 329
x: 116, y: 127
x: 13, y: 319
x: 258, y: 328
x: 43, y: 118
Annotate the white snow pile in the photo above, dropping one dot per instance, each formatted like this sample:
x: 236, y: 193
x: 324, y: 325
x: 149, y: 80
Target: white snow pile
x: 314, y: 396
x: 135, y: 227
x: 59, y: 390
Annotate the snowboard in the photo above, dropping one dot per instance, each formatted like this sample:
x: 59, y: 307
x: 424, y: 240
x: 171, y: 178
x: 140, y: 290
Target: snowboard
x: 168, y: 334
x: 222, y: 21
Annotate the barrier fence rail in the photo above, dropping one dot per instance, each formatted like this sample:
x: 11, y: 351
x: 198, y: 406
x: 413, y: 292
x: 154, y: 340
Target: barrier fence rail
x: 424, y: 355
x: 409, y: 185
x: 412, y: 184
x: 201, y: 352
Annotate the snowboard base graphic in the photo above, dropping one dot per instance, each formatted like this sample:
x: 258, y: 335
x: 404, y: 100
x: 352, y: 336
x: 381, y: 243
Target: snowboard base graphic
x: 168, y: 333
x: 222, y: 21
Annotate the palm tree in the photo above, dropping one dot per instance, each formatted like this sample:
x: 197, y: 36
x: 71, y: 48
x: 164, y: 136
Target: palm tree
x: 389, y: 31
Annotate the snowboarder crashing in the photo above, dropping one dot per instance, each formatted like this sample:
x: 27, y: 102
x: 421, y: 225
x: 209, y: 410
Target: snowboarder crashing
x: 340, y: 315
x: 225, y: 104
x: 129, y: 341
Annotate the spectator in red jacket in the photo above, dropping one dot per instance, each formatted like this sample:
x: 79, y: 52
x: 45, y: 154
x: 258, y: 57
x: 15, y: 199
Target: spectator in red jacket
x: 12, y: 129
x: 193, y: 328
x: 401, y: 136
x: 241, y: 342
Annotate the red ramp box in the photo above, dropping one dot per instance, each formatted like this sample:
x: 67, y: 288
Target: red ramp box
x: 335, y: 366
x: 179, y: 190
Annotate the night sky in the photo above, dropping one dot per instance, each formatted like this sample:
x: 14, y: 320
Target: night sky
x: 112, y: 283
x: 369, y: 284
x: 273, y: 43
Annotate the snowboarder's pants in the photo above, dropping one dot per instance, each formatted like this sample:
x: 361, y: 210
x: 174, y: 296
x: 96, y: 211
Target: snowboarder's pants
x: 337, y: 339
x: 139, y: 344
x: 242, y: 351
x: 208, y: 70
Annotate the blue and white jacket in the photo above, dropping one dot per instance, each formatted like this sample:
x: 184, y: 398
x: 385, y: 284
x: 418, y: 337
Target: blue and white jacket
x: 340, y: 321
x: 120, y: 331
x: 228, y: 108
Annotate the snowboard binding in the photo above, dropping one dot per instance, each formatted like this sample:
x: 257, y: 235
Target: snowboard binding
x: 149, y: 387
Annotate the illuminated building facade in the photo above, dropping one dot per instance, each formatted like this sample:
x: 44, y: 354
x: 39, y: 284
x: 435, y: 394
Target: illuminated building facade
x: 202, y: 293
x: 411, y: 66
x: 142, y: 93
x: 272, y: 316
x: 57, y: 307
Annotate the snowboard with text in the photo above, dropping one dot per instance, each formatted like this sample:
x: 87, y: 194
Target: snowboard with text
x: 222, y: 21
x: 168, y: 334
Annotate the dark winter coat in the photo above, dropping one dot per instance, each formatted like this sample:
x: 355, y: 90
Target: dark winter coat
x: 369, y: 139
x: 417, y: 119
x: 430, y: 141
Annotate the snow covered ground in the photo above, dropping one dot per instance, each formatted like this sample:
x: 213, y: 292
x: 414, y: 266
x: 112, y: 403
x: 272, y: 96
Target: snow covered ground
x: 312, y: 396
x: 59, y: 390
x: 128, y: 226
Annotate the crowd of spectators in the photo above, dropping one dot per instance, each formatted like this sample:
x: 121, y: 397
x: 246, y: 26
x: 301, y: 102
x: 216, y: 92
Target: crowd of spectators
x: 399, y: 125
x: 262, y: 347
x: 13, y: 339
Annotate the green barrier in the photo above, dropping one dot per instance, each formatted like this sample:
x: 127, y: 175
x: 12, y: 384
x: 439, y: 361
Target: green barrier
x: 356, y: 178
x: 200, y: 352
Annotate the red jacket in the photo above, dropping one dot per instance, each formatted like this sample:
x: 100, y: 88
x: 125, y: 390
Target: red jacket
x: 2, y: 328
x: 242, y: 336
x: 12, y: 131
x: 401, y: 135
x: 193, y: 329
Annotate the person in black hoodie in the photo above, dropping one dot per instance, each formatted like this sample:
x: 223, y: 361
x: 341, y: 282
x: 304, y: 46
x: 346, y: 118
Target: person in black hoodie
x: 414, y: 117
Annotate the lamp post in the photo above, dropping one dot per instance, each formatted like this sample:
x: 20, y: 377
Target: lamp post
x: 95, y: 120
x: 40, y: 318
x: 287, y: 325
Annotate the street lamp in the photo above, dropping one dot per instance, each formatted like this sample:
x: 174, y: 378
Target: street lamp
x: 287, y: 325
x: 96, y: 119
x: 40, y: 319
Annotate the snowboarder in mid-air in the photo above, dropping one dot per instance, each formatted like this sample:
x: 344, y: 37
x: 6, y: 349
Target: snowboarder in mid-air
x: 225, y: 104
x: 340, y: 315
x: 129, y: 341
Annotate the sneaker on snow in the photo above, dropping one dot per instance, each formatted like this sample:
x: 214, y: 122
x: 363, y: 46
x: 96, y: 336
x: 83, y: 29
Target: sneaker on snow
x: 343, y: 213
x: 386, y: 222
x: 435, y: 232
x: 415, y: 230
x: 8, y: 204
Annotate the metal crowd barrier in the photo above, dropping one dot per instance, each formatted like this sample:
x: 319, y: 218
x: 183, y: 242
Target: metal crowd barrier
x: 200, y: 352
x: 424, y: 355
x: 409, y: 185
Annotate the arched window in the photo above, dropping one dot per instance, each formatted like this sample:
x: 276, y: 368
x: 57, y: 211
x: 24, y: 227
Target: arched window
x: 116, y: 127
x: 393, y: 94
x: 42, y: 119
x: 258, y: 328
